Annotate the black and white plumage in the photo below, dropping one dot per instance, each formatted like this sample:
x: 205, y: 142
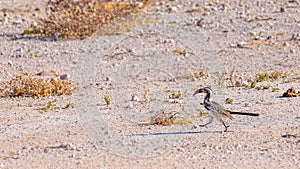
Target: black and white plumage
x: 216, y: 111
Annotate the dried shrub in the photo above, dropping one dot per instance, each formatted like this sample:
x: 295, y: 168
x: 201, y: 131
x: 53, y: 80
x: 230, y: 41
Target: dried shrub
x: 291, y: 92
x: 35, y: 87
x: 169, y: 119
x: 74, y: 19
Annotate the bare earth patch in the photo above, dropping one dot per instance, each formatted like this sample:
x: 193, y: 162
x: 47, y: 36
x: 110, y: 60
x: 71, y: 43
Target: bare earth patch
x: 140, y: 64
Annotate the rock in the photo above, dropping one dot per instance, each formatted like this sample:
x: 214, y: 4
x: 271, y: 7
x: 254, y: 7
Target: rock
x: 134, y: 98
x: 194, y: 79
x: 17, y: 22
x: 65, y: 76
x: 172, y: 9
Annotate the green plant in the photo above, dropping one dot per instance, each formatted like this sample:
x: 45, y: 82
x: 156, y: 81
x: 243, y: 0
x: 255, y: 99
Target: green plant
x: 253, y: 84
x: 262, y: 77
x: 221, y: 78
x: 69, y: 105
x: 49, y: 106
x: 229, y: 100
x: 231, y: 80
x: 107, y: 99
x: 175, y: 95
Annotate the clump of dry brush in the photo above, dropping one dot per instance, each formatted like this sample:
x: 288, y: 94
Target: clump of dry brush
x: 29, y: 86
x: 76, y: 19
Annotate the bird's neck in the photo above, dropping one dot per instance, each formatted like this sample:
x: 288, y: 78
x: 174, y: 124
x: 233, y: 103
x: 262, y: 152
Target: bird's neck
x: 207, y: 98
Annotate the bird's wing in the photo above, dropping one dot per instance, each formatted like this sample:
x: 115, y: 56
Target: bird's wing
x: 224, y: 112
x: 220, y: 108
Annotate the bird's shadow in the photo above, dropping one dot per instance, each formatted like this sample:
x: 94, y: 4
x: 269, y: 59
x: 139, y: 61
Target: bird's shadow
x: 177, y: 133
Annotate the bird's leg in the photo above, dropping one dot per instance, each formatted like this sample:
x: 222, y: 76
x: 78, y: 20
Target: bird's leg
x: 210, y: 121
x: 224, y: 125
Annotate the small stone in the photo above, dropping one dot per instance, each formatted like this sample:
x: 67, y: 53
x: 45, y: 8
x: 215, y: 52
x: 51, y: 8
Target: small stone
x: 72, y: 156
x: 132, y: 50
x: 195, y: 126
x: 65, y: 76
x: 200, y: 23
x: 139, y: 4
x: 245, y: 83
x: 282, y: 9
x: 172, y: 9
x: 134, y: 98
x: 5, y: 20
x: 17, y: 22
x: 238, y: 84
x: 108, y: 78
x: 10, y: 63
x: 286, y: 44
x: 194, y: 79
x: 241, y: 44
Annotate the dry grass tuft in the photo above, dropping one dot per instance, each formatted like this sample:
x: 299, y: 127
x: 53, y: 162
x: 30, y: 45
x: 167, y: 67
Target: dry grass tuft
x: 169, y: 119
x: 291, y: 92
x: 29, y: 86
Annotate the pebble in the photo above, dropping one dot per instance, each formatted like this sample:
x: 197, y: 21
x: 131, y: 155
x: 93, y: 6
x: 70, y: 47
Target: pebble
x: 172, y: 9
x: 72, y: 156
x: 245, y: 83
x: 286, y: 44
x: 17, y: 22
x: 46, y: 150
x: 241, y: 44
x: 108, y: 78
x: 134, y: 98
x: 139, y: 4
x: 194, y: 79
x: 282, y: 9
x: 10, y: 63
x: 238, y: 84
x: 65, y: 76
x: 5, y: 21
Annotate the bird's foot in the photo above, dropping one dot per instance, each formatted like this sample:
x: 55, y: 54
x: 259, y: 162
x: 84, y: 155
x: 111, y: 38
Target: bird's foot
x: 226, y: 128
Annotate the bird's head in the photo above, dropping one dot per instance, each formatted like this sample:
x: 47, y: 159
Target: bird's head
x: 206, y: 90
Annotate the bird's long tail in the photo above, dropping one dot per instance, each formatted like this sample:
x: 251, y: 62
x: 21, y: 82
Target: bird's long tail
x: 246, y: 114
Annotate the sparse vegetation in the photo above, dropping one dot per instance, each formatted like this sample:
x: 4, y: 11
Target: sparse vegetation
x: 262, y: 77
x: 253, y: 84
x: 175, y: 95
x: 203, y: 113
x: 71, y: 19
x: 231, y: 77
x: 169, y: 119
x: 229, y: 100
x: 49, y: 106
x: 107, y: 99
x: 69, y: 105
x: 146, y: 96
x: 274, y: 89
x: 291, y: 92
x: 221, y: 78
x: 30, y: 86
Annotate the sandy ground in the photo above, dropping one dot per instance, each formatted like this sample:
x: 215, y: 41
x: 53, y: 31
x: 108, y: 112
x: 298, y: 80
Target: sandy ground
x: 169, y: 42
